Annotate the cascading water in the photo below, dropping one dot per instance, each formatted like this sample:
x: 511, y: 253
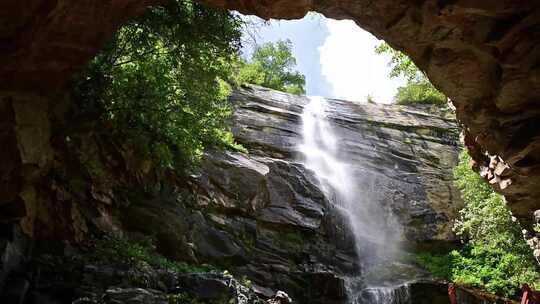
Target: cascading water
x: 385, y: 294
x: 377, y: 234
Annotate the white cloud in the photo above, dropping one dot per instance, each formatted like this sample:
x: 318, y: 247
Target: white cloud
x: 350, y: 64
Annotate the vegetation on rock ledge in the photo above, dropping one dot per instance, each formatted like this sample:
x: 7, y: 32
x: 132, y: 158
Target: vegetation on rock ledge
x: 121, y: 251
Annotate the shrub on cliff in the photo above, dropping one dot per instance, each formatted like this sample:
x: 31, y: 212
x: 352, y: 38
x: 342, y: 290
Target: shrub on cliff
x: 160, y: 81
x: 122, y: 251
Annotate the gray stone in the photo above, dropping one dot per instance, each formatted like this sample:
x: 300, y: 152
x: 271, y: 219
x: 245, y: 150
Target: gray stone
x: 211, y: 243
x: 134, y: 296
x: 206, y: 286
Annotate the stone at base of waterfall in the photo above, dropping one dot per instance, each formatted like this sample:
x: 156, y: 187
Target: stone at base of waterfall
x: 280, y: 298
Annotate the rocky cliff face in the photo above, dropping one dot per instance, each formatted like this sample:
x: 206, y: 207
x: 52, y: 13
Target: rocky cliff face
x: 261, y: 215
x: 483, y: 55
x: 269, y: 213
x: 408, y: 154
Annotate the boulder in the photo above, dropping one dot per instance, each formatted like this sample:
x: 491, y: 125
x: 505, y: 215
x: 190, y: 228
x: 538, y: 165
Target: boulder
x: 216, y: 288
x: 280, y: 298
x: 294, y: 197
x: 134, y: 296
x: 216, y: 245
x: 207, y: 287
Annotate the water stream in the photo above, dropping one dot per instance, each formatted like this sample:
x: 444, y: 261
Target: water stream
x: 376, y: 232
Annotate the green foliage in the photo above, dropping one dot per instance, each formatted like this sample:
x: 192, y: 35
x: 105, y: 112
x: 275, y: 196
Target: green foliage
x: 370, y: 99
x: 485, y: 220
x: 495, y: 269
x: 229, y: 142
x: 418, y: 89
x: 422, y: 92
x: 401, y: 64
x: 495, y: 256
x: 160, y: 82
x: 272, y: 66
x: 125, y: 252
x: 246, y: 282
x: 96, y: 170
x: 293, y: 237
x: 439, y: 265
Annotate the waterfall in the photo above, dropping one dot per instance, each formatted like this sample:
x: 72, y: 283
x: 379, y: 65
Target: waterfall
x: 377, y: 234
x: 391, y: 295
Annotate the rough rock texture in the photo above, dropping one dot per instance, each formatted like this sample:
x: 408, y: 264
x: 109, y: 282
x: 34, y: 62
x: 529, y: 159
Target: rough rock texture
x: 483, y: 54
x: 269, y: 220
x: 265, y: 214
x: 42, y: 43
x: 408, y: 155
x: 261, y: 215
x: 56, y: 274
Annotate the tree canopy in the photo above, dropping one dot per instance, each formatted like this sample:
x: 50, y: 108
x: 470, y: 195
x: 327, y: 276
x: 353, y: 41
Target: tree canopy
x: 160, y: 82
x: 272, y: 65
x: 163, y: 81
x: 418, y: 89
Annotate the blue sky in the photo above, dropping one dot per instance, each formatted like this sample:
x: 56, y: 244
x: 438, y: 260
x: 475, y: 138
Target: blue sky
x: 337, y: 57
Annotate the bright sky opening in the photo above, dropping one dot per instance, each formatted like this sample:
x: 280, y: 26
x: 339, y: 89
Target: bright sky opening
x: 337, y: 57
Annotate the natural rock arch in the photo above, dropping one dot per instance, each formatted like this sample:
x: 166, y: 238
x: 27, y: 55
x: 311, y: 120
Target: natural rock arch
x: 485, y: 55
